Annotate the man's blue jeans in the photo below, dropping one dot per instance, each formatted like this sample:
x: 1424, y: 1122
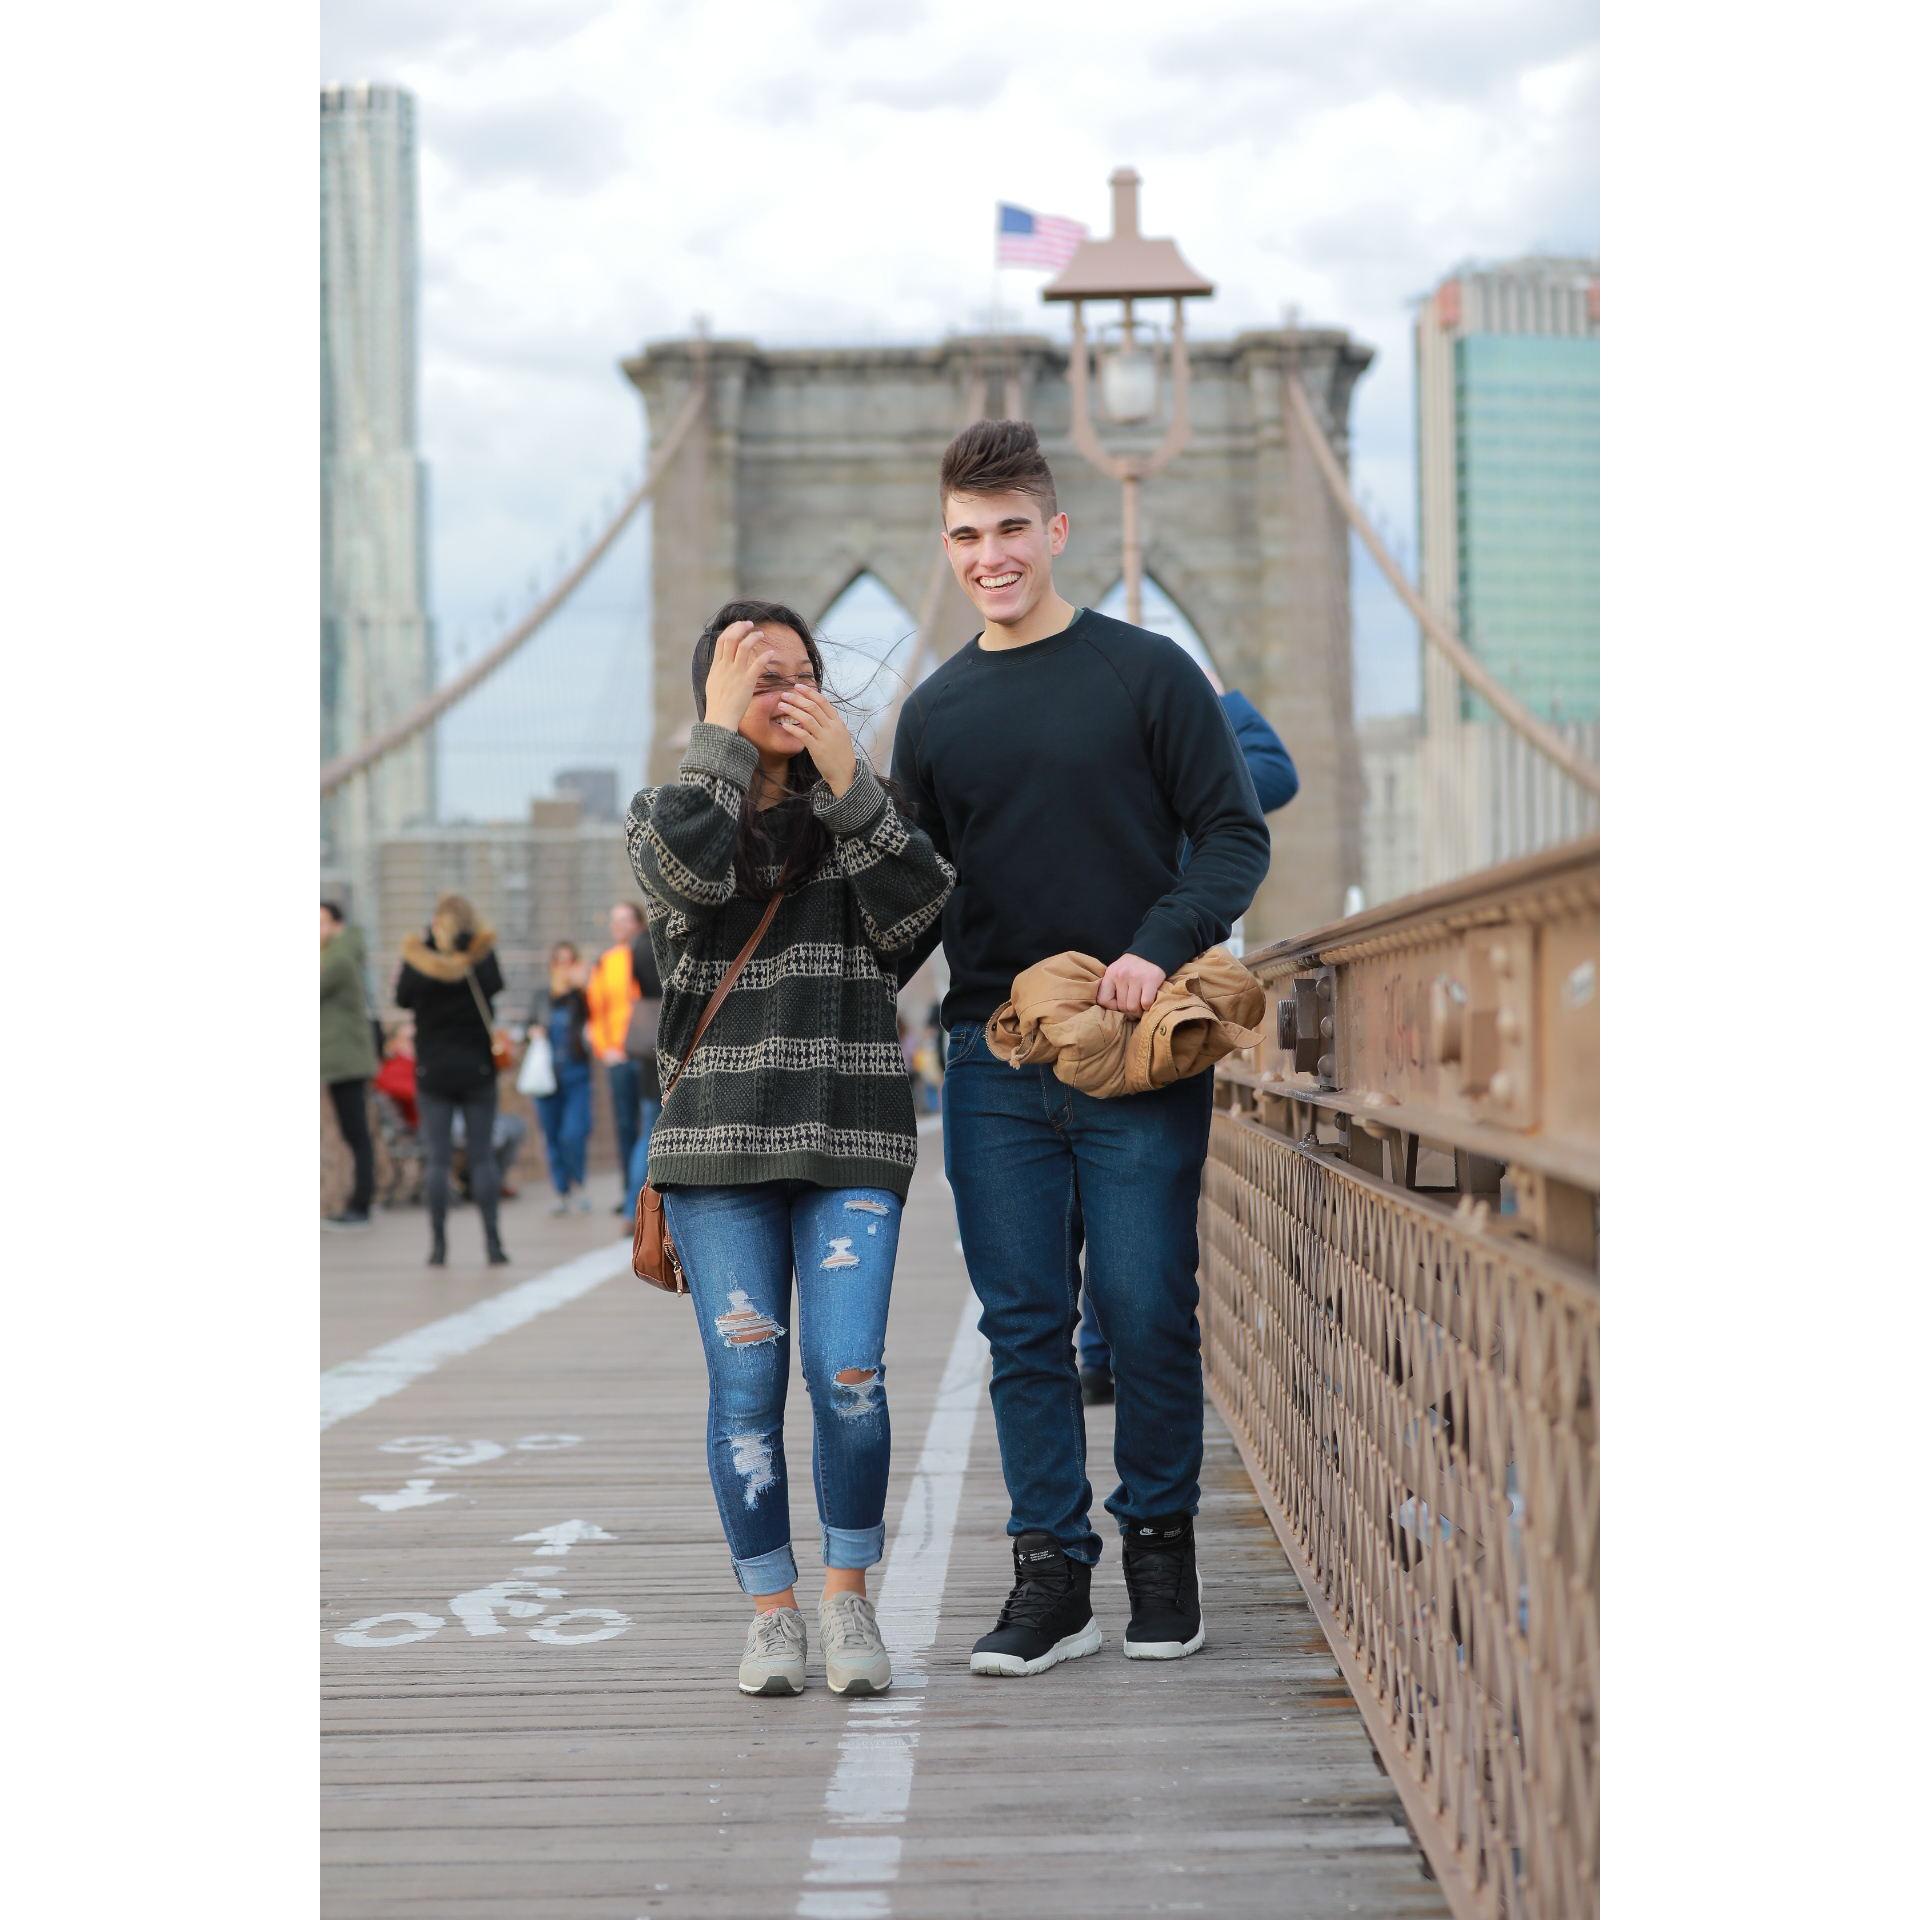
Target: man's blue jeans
x: 623, y: 1089
x: 1034, y: 1166
x: 742, y: 1247
x: 1094, y: 1351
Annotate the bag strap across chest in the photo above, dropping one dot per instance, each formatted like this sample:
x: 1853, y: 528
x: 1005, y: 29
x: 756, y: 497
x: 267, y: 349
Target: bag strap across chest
x: 720, y: 993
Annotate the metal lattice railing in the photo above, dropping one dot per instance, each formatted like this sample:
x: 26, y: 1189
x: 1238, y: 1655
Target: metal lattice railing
x: 1412, y: 1371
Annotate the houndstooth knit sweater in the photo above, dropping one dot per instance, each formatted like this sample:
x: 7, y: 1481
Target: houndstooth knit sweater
x: 800, y: 1075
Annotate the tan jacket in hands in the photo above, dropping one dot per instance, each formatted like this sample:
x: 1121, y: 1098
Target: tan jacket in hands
x: 1212, y: 1007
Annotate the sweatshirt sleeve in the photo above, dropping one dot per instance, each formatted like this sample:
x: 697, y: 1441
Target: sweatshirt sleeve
x: 1204, y: 776
x: 924, y: 809
x: 646, y: 969
x: 1275, y: 778
x: 899, y: 879
x: 680, y: 838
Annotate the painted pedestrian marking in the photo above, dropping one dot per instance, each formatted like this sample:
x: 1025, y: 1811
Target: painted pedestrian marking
x: 413, y: 1494
x: 485, y: 1612
x: 565, y: 1535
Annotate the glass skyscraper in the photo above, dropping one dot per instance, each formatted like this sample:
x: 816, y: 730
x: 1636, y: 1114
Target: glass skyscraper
x: 376, y: 644
x: 1507, y: 365
x: 1527, y: 467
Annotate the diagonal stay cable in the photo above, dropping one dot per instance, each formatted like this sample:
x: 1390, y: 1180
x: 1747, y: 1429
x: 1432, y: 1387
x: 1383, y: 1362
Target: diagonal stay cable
x: 1470, y: 668
x: 930, y: 597
x: 336, y: 773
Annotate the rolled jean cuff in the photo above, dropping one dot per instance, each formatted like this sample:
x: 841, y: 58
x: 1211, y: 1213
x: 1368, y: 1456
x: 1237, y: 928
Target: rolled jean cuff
x: 851, y: 1547
x: 767, y: 1572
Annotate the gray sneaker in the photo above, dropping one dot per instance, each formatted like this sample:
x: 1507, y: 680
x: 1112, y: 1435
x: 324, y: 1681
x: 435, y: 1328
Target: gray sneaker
x: 850, y: 1638
x: 776, y: 1657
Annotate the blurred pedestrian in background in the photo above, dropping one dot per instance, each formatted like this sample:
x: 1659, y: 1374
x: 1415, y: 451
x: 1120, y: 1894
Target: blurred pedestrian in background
x: 1275, y: 782
x: 643, y: 1050
x: 611, y: 992
x: 509, y: 1136
x: 347, y: 1057
x: 397, y: 1110
x: 566, y: 1114
x: 396, y: 1076
x: 448, y: 981
x: 927, y: 1075
x: 908, y: 1056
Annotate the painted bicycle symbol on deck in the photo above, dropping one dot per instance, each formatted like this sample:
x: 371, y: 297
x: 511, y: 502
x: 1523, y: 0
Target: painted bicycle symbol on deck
x: 485, y: 1611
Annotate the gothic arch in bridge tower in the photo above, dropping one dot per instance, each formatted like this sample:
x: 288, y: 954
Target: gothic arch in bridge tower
x: 866, y: 640
x: 813, y: 467
x: 1160, y: 612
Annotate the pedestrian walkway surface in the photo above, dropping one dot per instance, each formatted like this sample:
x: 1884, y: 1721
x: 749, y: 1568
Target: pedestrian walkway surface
x: 530, y: 1631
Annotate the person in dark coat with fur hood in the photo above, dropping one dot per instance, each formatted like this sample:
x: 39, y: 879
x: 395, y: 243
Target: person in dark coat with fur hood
x: 449, y: 981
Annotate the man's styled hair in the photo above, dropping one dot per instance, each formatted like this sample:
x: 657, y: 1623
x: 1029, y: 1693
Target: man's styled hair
x: 998, y: 456
x: 334, y: 912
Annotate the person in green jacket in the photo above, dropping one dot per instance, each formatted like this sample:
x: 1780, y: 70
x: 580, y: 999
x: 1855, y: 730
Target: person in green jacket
x: 347, y: 1062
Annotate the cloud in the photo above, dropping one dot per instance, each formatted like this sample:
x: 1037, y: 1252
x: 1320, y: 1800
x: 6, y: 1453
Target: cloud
x: 594, y: 174
x: 373, y: 39
x: 564, y: 143
x: 1466, y: 50
x: 842, y: 21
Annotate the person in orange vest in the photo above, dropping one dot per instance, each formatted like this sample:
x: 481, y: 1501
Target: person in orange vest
x: 611, y: 992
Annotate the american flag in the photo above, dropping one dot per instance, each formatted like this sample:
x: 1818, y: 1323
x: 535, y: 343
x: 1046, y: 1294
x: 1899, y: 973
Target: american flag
x: 1024, y: 239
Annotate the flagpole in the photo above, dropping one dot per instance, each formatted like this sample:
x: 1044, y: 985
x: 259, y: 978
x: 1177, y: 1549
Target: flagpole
x: 993, y: 310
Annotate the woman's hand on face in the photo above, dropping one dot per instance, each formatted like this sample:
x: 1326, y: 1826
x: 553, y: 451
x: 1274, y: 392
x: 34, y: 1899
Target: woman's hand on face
x: 735, y: 674
x: 813, y: 720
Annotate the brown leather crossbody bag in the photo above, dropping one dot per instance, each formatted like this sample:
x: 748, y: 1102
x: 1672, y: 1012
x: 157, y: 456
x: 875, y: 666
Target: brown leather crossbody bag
x: 655, y: 1259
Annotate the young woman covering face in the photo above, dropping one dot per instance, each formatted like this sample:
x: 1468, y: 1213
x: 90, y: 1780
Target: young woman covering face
x: 784, y: 1152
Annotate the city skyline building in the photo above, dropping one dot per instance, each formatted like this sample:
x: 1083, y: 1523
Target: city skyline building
x: 376, y: 637
x: 1507, y: 444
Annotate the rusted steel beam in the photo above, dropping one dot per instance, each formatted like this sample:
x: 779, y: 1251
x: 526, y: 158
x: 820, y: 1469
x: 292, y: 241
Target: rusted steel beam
x: 1469, y: 1014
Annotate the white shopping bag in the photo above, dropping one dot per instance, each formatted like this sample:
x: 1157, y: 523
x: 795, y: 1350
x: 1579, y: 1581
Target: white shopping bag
x: 537, y: 1077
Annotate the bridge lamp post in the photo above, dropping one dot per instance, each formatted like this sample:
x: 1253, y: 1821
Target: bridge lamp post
x: 1137, y: 358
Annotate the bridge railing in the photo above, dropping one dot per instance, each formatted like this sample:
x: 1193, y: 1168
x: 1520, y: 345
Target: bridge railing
x: 1401, y: 1311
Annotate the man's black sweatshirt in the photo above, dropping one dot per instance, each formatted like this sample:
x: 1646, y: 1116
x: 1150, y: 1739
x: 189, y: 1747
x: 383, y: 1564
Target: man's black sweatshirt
x: 1059, y: 778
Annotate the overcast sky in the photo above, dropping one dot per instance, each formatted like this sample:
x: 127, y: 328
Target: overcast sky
x: 593, y: 173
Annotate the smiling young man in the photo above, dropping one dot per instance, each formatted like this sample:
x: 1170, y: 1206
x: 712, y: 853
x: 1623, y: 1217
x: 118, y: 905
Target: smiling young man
x: 1058, y: 761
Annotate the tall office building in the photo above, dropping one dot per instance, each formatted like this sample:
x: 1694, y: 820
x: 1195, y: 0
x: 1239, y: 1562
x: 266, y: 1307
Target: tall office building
x: 376, y: 643
x: 1507, y: 370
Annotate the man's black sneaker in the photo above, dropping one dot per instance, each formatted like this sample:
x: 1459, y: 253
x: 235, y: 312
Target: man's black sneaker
x: 1096, y: 1386
x: 1048, y: 1616
x: 345, y: 1220
x: 1164, y: 1586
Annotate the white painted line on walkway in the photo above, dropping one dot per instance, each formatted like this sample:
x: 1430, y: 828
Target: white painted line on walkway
x: 355, y: 1385
x: 852, y: 1871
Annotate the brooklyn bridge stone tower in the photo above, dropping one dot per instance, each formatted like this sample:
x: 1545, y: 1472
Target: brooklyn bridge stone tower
x: 811, y: 466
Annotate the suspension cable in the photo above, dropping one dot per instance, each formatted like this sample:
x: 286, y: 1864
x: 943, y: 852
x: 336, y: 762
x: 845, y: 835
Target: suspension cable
x: 1467, y: 664
x: 336, y: 773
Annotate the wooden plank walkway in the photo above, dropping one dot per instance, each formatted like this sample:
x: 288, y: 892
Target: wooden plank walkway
x: 555, y: 1730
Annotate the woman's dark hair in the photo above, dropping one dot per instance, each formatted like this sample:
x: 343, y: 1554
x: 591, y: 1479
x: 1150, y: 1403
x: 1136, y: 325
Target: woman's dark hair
x: 808, y: 843
x: 755, y: 849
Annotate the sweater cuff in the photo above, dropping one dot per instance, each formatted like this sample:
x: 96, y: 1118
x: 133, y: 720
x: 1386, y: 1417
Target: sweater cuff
x: 721, y: 752
x: 856, y: 809
x: 1165, y: 946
